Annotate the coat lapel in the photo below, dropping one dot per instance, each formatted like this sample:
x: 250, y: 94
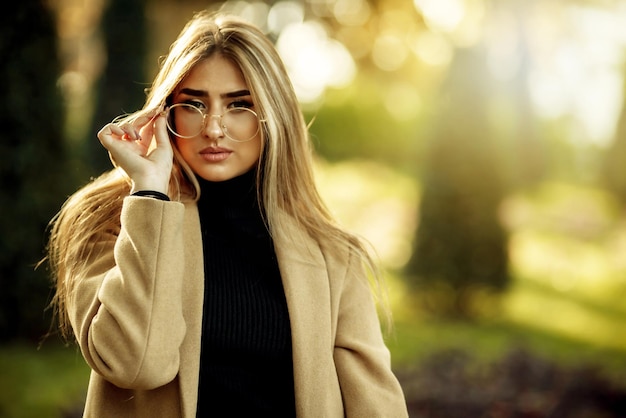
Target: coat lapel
x: 307, y: 290
x: 193, y: 297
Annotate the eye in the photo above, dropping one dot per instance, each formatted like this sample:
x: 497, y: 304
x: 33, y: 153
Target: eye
x: 195, y: 103
x: 237, y: 104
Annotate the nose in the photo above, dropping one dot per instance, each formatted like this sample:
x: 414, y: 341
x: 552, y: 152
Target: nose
x: 213, y: 126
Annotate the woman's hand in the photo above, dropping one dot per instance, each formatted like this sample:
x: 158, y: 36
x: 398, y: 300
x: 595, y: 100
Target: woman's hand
x: 130, y: 148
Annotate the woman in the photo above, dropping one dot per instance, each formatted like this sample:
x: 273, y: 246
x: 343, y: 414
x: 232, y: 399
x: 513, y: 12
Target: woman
x: 203, y: 275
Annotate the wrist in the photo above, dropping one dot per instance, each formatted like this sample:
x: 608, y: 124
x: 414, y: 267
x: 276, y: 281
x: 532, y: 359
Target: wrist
x: 151, y: 194
x: 149, y: 185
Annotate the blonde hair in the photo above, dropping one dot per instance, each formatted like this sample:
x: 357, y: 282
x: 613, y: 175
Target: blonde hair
x: 285, y: 169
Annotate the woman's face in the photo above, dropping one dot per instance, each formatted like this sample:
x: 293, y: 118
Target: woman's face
x: 215, y: 86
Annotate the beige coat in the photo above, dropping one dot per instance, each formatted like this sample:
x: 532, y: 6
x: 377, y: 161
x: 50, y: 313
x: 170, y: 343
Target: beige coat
x: 137, y: 316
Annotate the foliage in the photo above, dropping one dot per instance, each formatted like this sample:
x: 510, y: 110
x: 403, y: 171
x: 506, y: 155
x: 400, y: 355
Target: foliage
x: 120, y: 90
x: 33, y: 177
x: 355, y: 124
x: 37, y: 174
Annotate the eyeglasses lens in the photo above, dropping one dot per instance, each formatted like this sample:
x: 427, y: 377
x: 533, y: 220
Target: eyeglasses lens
x: 240, y: 124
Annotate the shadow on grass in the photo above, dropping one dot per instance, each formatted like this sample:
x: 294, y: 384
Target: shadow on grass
x: 450, y: 384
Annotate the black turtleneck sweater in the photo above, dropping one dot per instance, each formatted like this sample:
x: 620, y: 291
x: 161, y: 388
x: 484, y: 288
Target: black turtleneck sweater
x: 246, y: 366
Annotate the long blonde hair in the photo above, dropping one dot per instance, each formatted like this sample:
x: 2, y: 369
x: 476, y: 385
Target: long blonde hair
x: 285, y: 169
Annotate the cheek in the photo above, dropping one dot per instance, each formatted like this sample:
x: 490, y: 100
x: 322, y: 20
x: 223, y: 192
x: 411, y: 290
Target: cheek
x: 247, y: 156
x: 253, y: 149
x: 183, y: 148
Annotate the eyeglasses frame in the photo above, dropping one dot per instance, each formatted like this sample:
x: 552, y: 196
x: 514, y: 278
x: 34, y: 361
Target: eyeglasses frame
x: 204, y: 118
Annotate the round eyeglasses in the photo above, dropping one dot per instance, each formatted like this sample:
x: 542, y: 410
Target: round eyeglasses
x: 239, y: 124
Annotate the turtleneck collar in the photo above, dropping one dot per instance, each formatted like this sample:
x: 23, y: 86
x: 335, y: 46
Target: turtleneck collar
x: 236, y: 194
x: 230, y: 209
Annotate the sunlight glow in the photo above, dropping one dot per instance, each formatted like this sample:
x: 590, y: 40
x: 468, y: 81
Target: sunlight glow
x: 254, y: 12
x: 352, y: 12
x: 566, y: 317
x: 402, y: 101
x: 432, y: 48
x: 283, y: 14
x: 505, y: 48
x: 314, y: 60
x: 577, y: 70
x: 566, y: 250
x: 442, y: 15
x: 375, y: 202
x: 389, y: 52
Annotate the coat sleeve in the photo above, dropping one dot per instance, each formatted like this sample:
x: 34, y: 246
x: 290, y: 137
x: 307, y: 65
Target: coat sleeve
x: 126, y: 307
x: 368, y: 385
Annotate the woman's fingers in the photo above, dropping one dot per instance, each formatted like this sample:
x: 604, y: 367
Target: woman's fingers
x: 108, y: 131
x: 160, y: 132
x: 113, y: 132
x: 139, y: 131
x: 143, y: 127
x: 141, y: 148
x: 161, y: 150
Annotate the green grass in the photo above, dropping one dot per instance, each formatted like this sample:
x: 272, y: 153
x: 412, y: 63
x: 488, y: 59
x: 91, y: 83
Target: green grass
x: 41, y: 382
x: 487, y: 342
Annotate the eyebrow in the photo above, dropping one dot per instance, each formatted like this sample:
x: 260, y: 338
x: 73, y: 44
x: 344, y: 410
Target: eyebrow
x: 204, y: 93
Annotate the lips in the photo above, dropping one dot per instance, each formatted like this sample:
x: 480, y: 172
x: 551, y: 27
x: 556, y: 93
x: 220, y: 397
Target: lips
x: 215, y: 154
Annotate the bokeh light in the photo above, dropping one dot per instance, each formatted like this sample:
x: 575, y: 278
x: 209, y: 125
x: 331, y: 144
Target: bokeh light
x: 314, y: 60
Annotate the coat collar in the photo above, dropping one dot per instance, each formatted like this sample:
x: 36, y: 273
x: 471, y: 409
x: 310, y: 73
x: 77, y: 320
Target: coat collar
x: 306, y: 281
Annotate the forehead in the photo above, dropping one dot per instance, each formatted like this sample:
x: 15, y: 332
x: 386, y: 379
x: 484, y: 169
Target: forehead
x: 215, y: 74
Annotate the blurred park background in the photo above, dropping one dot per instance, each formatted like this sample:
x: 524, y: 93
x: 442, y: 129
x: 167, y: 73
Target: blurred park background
x: 479, y: 145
